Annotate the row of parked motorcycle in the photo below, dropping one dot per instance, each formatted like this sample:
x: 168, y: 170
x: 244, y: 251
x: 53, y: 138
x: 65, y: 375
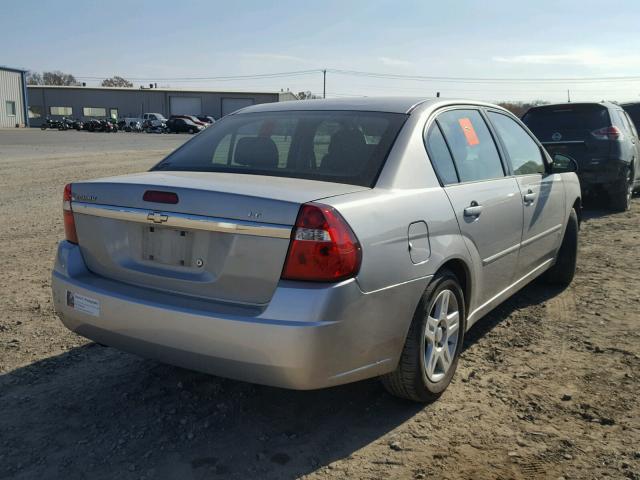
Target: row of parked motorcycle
x: 175, y: 124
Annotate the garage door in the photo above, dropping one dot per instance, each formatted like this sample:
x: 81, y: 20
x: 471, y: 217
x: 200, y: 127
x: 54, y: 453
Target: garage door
x: 232, y: 104
x: 186, y: 105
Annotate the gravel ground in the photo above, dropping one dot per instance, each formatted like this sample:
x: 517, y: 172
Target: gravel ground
x: 547, y: 386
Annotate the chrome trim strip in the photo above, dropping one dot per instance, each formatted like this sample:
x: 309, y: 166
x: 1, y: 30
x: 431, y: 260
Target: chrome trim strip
x: 540, y: 235
x: 528, y: 241
x: 496, y: 256
x: 183, y: 220
x: 559, y: 142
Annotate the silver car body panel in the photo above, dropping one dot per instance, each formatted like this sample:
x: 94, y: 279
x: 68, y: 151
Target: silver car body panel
x: 232, y: 318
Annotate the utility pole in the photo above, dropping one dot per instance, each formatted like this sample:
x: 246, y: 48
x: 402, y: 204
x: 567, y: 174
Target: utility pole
x: 568, y: 96
x: 324, y: 83
x: 437, y: 94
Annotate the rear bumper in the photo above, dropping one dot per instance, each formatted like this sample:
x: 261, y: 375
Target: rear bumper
x: 605, y: 174
x: 308, y: 336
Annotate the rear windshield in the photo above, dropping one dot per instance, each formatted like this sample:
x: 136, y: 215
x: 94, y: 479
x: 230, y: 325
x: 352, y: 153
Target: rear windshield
x: 335, y: 146
x: 566, y: 117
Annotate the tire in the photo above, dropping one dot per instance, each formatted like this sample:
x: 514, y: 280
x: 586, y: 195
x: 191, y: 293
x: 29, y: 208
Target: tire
x: 191, y: 131
x: 43, y: 127
x: 620, y: 198
x: 432, y: 347
x: 564, y: 269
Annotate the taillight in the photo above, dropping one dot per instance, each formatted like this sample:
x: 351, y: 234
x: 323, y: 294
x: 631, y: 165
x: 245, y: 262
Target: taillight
x: 323, y: 247
x: 608, y: 133
x: 67, y: 213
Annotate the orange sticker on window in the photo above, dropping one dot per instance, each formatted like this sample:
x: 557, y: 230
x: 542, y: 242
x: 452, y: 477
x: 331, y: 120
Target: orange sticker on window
x: 469, y: 131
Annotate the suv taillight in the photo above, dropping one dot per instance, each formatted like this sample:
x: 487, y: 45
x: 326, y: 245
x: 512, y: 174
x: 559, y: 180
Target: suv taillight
x: 323, y: 247
x: 608, y: 133
x: 67, y: 213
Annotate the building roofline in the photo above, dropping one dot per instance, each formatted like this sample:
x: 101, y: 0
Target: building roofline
x: 132, y: 89
x: 11, y: 69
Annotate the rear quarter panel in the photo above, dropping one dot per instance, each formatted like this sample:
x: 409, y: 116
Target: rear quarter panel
x: 407, y: 191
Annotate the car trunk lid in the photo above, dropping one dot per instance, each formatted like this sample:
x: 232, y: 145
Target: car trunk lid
x: 225, y: 239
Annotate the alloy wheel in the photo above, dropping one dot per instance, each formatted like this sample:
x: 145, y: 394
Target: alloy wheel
x: 441, y: 335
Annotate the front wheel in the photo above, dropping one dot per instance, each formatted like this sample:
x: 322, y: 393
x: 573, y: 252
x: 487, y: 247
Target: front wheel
x: 433, y: 344
x: 564, y: 269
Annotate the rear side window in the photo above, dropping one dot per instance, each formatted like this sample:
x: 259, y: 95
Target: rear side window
x: 334, y: 146
x: 440, y: 156
x: 474, y: 151
x: 634, y: 113
x: 632, y: 125
x: 523, y: 152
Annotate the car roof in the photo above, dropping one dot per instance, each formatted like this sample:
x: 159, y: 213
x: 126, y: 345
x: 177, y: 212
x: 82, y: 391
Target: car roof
x: 575, y: 104
x: 372, y: 104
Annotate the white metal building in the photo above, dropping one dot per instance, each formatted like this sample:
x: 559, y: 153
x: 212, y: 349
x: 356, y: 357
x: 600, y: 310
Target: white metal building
x: 13, y: 98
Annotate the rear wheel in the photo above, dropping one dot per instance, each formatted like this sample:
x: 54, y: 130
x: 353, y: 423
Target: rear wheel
x: 430, y: 355
x: 564, y: 269
x: 620, y: 198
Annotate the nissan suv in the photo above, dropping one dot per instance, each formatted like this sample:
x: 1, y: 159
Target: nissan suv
x: 600, y: 137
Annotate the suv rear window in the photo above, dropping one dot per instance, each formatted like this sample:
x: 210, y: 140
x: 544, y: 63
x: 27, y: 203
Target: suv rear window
x: 335, y: 146
x: 566, y: 117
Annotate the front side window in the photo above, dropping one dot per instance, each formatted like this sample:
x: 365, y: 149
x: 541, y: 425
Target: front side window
x: 64, y: 111
x: 334, y: 146
x: 11, y: 108
x: 440, y: 156
x: 525, y: 156
x: 94, y: 112
x: 474, y: 151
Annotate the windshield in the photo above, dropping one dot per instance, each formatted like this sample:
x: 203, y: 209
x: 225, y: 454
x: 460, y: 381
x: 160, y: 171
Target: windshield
x: 335, y: 146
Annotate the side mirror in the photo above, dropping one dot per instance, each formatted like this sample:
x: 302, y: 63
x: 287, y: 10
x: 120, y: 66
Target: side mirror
x: 563, y: 164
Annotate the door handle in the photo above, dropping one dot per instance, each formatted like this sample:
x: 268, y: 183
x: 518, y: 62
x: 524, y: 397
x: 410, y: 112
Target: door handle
x: 473, y: 210
x: 529, y: 197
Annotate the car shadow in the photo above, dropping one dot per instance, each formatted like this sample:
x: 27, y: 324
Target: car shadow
x: 95, y: 412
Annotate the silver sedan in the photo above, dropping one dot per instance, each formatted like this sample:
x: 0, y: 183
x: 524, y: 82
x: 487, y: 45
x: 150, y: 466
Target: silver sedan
x: 315, y: 243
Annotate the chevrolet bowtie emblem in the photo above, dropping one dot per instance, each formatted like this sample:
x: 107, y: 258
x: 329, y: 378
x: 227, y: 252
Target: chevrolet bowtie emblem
x: 157, y: 217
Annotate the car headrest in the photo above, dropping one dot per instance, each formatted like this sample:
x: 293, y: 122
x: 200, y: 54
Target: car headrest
x: 346, y: 145
x: 346, y: 140
x: 260, y: 152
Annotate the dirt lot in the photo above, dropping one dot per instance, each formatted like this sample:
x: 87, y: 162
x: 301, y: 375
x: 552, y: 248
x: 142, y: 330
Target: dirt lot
x: 547, y: 387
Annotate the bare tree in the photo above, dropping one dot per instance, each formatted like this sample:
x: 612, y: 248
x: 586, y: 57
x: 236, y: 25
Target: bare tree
x: 306, y: 95
x: 116, y: 81
x: 520, y: 108
x: 58, y: 78
x: 34, y: 78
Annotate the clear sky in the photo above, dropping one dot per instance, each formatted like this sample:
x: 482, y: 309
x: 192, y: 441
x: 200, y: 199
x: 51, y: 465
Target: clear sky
x: 166, y: 41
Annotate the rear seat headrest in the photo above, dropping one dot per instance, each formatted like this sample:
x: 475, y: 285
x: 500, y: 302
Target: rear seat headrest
x: 258, y: 152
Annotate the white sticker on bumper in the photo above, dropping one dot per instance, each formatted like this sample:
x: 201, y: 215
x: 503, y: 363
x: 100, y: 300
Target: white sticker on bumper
x: 83, y: 304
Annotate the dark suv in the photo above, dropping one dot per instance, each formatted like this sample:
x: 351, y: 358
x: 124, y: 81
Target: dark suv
x: 600, y: 137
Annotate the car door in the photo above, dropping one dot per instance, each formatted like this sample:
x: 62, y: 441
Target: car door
x: 542, y: 194
x: 486, y: 201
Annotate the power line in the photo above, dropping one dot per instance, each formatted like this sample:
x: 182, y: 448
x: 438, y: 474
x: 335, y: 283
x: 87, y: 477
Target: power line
x: 424, y: 78
x: 220, y: 78
x: 379, y: 75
